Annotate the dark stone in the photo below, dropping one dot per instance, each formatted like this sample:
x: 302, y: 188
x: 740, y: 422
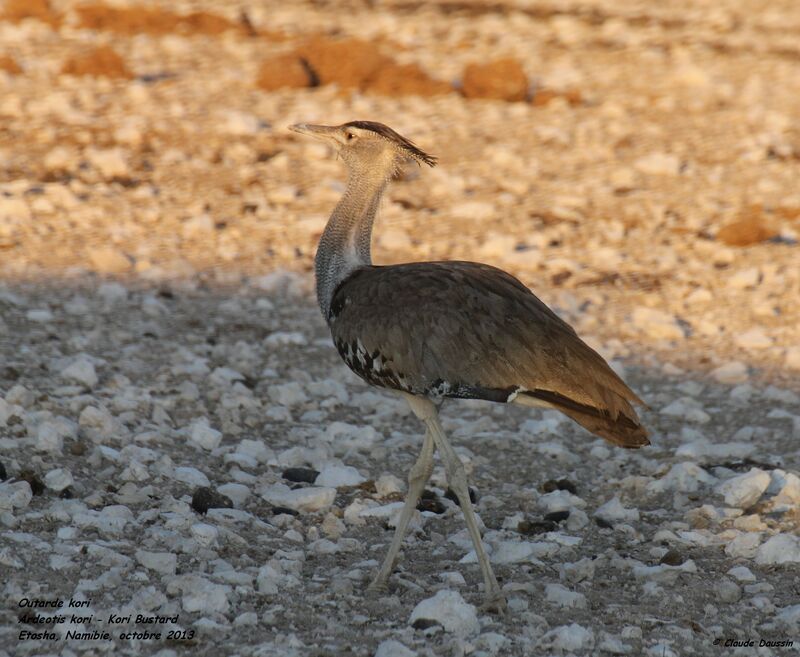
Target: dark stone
x: 672, y: 558
x: 556, y: 516
x: 602, y: 522
x: 451, y: 495
x: 301, y: 475
x: 66, y: 494
x: 429, y: 501
x: 77, y: 448
x: 425, y: 624
x: 3, y: 473
x: 532, y: 527
x: 278, y: 510
x: 205, y: 498
x: 561, y: 484
x: 36, y: 484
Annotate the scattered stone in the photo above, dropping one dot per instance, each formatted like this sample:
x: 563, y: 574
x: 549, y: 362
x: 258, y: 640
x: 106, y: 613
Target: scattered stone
x: 301, y: 475
x: 3, y: 472
x: 58, y: 479
x: 656, y: 324
x: 108, y: 260
x: 750, y: 228
x: 672, y: 558
x: 163, y: 563
x: 205, y: 436
x: 613, y: 512
x: 346, y: 62
x: 388, y: 484
x: 562, y: 597
x: 15, y: 495
x: 753, y: 339
x: 392, y: 648
x: 744, y: 490
x: 792, y: 358
x: 35, y: 483
x: 308, y: 500
x: 780, y: 549
x: 393, y: 79
x: 568, y: 639
x: 731, y: 373
x: 81, y: 371
x: 10, y: 65
x: 285, y: 71
x: 561, y: 484
x: 205, y: 498
x: 450, y: 610
x: 337, y: 476
x: 659, y: 164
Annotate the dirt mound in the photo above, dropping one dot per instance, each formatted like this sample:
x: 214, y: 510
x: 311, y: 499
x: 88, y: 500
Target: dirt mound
x: 285, y: 71
x: 18, y: 10
x: 9, y: 65
x: 752, y: 226
x: 502, y: 79
x: 98, y: 62
x: 151, y: 20
x: 406, y: 80
x: 346, y: 62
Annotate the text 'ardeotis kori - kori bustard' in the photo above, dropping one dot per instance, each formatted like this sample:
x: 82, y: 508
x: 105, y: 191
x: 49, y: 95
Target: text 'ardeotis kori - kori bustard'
x: 431, y: 330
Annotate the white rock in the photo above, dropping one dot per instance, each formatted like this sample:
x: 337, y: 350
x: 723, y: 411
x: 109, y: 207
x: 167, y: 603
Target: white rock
x: 204, y: 435
x: 164, y: 563
x: 656, y: 323
x: 732, y: 372
x: 781, y: 548
x: 753, y: 339
x: 287, y: 394
x: 744, y: 278
x: 49, y: 438
x: 58, y: 479
x: 41, y: 315
x: 742, y: 573
x: 704, y: 448
x: 789, y: 618
x: 97, y: 422
x: 559, y: 500
x: 504, y: 552
x: 392, y: 648
x: 659, y: 164
x: 339, y: 475
x: 568, y: 639
x: 191, y: 476
x: 388, y: 484
x: 201, y: 595
x: 613, y: 512
x: 200, y: 227
x: 310, y: 499
x: 112, y: 292
x: 284, y: 338
x: 82, y: 371
x: 687, y: 409
x: 744, y: 545
x: 685, y: 477
x: 561, y: 596
x: 664, y: 573
x: 15, y: 495
x: 204, y: 533
x: 238, y: 493
x: 744, y: 490
x: 255, y: 448
x: 450, y: 610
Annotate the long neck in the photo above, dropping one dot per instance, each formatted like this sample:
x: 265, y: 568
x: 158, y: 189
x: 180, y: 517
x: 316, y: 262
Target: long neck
x: 345, y: 243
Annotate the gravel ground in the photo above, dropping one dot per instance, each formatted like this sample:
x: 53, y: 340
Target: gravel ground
x: 164, y: 371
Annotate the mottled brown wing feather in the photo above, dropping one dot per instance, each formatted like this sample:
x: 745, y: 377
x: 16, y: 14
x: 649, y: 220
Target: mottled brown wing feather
x: 475, y: 331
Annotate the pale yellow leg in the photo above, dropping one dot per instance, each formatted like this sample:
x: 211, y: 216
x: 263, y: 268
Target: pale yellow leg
x: 457, y: 478
x: 417, y: 478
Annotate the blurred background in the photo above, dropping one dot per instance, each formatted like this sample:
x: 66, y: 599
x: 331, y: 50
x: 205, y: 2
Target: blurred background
x: 635, y: 163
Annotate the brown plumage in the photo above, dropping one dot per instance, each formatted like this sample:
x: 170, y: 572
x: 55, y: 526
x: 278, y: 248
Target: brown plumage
x: 431, y: 330
x: 468, y: 330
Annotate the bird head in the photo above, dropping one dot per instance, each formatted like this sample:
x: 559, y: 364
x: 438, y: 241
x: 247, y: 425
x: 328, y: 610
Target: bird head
x: 367, y: 146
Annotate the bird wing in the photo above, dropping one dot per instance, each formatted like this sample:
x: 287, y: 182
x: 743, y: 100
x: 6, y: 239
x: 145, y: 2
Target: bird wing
x: 462, y: 329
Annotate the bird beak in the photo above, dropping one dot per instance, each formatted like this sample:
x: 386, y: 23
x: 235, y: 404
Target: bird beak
x: 323, y: 132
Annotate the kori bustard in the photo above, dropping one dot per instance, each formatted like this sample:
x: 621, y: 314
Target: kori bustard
x: 431, y: 330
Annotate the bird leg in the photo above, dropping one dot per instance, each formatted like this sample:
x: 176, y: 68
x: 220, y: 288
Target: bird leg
x: 417, y: 478
x: 494, y: 600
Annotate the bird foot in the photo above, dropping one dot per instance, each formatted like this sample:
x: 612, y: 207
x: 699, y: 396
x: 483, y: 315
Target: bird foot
x: 495, y: 603
x: 377, y: 587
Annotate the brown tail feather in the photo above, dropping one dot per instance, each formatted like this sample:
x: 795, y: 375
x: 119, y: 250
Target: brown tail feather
x: 622, y: 430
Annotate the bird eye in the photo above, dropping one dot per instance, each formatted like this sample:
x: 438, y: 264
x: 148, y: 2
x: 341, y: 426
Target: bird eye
x: 350, y: 136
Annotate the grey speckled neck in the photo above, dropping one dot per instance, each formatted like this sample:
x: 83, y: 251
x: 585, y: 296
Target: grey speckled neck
x: 345, y: 243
